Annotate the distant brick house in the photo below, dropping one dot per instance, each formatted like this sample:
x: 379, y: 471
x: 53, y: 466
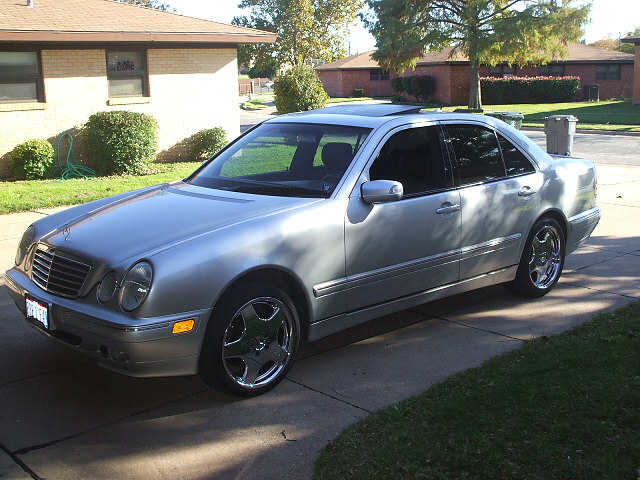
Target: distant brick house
x: 636, y: 77
x: 63, y: 60
x: 611, y: 70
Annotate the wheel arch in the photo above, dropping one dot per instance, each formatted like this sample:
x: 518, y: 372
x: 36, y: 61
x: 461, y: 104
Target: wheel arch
x: 559, y: 217
x: 286, y: 282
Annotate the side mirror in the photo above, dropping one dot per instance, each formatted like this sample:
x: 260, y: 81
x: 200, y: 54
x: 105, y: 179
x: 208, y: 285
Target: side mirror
x: 381, y: 191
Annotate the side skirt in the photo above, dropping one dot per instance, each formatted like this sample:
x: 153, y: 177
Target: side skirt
x: 341, y: 322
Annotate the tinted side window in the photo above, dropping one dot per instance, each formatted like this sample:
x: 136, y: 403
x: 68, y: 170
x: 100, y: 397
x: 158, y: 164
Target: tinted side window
x: 514, y: 159
x: 477, y: 153
x: 414, y: 158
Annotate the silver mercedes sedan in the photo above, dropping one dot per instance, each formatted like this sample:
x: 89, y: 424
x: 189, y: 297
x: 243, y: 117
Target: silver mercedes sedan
x: 302, y: 227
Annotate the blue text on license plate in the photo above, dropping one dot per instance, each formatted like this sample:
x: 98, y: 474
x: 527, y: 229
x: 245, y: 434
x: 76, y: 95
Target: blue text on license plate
x: 37, y: 311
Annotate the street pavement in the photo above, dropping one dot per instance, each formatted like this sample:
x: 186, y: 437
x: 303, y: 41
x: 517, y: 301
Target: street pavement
x: 62, y: 417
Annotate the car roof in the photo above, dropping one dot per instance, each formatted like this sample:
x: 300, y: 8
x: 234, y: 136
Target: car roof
x: 374, y: 115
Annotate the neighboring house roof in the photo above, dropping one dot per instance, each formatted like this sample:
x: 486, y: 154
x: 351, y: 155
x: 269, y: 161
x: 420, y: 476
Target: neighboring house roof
x: 111, y: 21
x: 577, y: 53
x: 635, y: 40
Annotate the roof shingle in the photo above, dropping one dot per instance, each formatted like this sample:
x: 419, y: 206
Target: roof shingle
x: 104, y: 20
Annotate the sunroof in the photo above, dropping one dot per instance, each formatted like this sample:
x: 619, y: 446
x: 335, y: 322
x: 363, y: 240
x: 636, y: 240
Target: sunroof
x: 369, y: 110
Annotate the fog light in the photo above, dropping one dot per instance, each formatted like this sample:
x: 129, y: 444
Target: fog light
x: 183, y: 326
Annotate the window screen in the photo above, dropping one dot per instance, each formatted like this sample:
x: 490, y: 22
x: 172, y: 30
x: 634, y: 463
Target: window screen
x: 20, y: 77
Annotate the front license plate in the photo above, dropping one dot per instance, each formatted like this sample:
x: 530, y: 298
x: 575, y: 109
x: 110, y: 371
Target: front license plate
x: 37, y: 311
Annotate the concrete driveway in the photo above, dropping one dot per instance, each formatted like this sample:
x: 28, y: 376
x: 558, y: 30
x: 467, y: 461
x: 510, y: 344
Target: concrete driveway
x: 62, y: 417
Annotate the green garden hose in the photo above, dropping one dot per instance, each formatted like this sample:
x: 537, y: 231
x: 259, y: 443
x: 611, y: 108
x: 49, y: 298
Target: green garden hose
x: 71, y: 169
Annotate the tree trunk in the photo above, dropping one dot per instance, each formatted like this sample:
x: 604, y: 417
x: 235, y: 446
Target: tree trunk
x: 475, y: 96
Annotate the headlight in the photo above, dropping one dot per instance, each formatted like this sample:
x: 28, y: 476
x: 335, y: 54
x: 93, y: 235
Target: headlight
x: 107, y: 287
x: 27, y: 239
x: 135, y: 286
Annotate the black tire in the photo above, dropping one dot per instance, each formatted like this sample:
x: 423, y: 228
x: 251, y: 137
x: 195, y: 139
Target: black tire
x: 251, y: 340
x: 542, y: 259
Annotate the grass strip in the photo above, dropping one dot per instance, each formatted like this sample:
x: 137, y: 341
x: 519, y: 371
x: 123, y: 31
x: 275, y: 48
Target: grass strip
x: 566, y: 407
x: 32, y: 194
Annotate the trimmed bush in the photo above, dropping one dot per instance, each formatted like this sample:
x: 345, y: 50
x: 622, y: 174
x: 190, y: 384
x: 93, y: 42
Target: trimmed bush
x: 121, y: 141
x: 407, y: 86
x: 32, y: 160
x: 529, y: 89
x: 298, y: 90
x: 397, y: 84
x: 423, y: 87
x: 207, y: 142
x: 358, y: 92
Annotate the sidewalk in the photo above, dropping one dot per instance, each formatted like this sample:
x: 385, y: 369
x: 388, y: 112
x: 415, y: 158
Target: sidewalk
x: 65, y: 418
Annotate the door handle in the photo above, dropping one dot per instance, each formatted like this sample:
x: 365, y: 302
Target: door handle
x: 448, y: 209
x: 526, y: 192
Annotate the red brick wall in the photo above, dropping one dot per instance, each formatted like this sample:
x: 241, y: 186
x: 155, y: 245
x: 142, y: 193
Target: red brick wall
x: 587, y: 74
x: 636, y: 81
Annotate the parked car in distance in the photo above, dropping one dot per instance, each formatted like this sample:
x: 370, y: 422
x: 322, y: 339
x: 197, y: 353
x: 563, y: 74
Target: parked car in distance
x: 268, y: 84
x: 304, y: 226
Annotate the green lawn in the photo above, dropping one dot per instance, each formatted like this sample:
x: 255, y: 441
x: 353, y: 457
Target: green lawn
x: 566, y: 407
x: 606, y: 115
x: 28, y: 195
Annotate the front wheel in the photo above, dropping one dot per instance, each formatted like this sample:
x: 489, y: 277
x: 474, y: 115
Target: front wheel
x: 542, y: 260
x: 251, y: 340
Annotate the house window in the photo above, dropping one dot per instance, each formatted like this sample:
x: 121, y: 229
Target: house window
x: 127, y: 74
x: 552, y: 70
x: 20, y: 77
x: 377, y: 75
x: 608, y: 72
x: 502, y: 71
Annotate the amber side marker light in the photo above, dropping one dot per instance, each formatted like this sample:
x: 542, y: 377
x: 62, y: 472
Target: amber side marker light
x: 183, y: 326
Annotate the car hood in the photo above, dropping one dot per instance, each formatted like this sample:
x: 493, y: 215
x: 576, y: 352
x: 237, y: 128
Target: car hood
x: 153, y: 220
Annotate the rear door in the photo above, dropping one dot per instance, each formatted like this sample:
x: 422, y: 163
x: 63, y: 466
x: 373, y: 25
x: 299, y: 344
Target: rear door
x: 499, y: 195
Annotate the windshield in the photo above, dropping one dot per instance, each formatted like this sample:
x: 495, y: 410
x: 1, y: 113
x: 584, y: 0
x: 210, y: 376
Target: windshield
x: 287, y: 159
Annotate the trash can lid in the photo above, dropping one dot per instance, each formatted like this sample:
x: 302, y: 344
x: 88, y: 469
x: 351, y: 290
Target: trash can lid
x: 569, y: 118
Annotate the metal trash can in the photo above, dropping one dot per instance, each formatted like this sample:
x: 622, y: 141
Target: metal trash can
x: 592, y: 93
x: 560, y: 130
x: 512, y: 118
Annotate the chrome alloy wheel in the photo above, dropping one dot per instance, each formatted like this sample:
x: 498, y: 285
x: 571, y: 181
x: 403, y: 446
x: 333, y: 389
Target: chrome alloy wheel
x: 258, y: 342
x: 545, y: 258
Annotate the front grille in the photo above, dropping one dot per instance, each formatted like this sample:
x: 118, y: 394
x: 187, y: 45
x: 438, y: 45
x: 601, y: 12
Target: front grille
x: 58, y: 273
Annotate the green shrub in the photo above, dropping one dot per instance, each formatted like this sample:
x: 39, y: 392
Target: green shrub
x: 121, y: 141
x: 529, y: 89
x: 358, y: 92
x: 397, y: 99
x: 207, y: 142
x: 407, y: 86
x: 32, y: 160
x: 397, y: 84
x: 423, y: 87
x: 299, y: 89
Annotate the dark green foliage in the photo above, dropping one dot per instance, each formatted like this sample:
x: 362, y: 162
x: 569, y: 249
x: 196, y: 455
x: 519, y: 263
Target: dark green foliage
x: 529, y: 89
x: 268, y: 69
x: 121, y: 141
x: 207, y: 142
x: 407, y: 86
x: 397, y: 85
x: 32, y: 160
x: 298, y: 90
x: 397, y: 99
x: 358, y: 92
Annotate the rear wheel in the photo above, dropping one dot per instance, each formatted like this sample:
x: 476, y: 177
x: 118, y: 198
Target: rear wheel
x: 251, y: 340
x: 542, y: 260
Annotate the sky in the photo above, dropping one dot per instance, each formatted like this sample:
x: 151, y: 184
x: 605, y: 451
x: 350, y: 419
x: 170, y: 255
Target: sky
x: 612, y: 18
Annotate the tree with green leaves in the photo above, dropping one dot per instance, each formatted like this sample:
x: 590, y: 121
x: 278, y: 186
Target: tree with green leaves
x: 629, y: 47
x: 307, y: 30
x: 488, y: 32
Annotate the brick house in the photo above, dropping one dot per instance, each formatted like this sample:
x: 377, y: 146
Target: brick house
x: 611, y: 70
x: 636, y: 79
x: 63, y: 60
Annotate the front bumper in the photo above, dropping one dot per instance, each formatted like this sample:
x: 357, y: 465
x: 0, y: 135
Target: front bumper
x: 131, y: 346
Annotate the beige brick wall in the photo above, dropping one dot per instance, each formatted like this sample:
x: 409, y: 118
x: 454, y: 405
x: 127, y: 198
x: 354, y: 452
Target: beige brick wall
x: 190, y: 89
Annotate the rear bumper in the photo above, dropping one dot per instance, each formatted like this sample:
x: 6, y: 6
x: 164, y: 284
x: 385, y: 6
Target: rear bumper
x: 580, y: 228
x: 138, y: 347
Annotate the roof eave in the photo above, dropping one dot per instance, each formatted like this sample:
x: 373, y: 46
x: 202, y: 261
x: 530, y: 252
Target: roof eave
x: 144, y: 37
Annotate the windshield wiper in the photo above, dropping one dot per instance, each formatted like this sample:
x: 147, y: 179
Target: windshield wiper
x: 276, y: 189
